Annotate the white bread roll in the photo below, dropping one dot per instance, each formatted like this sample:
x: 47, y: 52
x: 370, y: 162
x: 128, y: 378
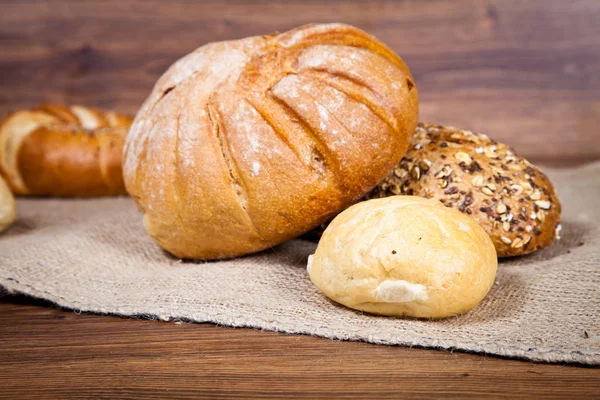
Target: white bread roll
x: 404, y: 256
x: 8, y: 209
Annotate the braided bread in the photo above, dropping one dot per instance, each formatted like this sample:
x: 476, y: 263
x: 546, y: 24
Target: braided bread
x: 63, y: 151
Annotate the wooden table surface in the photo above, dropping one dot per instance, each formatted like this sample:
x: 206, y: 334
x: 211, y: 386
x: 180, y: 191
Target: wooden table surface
x: 525, y: 72
x: 50, y: 353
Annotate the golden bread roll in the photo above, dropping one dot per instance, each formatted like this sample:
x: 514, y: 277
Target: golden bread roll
x: 512, y: 200
x: 245, y: 144
x: 404, y: 256
x: 8, y: 209
x: 63, y: 151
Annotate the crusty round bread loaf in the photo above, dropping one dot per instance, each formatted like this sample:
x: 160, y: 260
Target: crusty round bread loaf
x: 245, y: 144
x: 58, y: 151
x: 8, y: 209
x: 404, y: 256
x: 512, y: 200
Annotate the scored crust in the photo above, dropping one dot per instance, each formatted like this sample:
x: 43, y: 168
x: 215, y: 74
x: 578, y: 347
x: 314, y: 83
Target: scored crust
x: 511, y: 199
x: 63, y: 151
x: 233, y: 132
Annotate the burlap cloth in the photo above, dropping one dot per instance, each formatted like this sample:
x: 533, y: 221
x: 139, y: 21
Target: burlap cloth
x: 94, y: 255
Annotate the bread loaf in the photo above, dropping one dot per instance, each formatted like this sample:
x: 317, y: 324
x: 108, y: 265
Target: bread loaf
x: 58, y: 151
x: 512, y: 200
x: 404, y: 256
x: 245, y: 144
x: 8, y: 211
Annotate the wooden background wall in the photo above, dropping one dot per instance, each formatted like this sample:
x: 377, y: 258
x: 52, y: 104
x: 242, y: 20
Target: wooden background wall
x: 525, y: 72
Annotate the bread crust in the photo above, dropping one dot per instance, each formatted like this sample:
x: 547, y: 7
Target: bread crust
x: 54, y: 150
x: 8, y: 209
x: 235, y: 130
x: 404, y: 256
x: 512, y: 200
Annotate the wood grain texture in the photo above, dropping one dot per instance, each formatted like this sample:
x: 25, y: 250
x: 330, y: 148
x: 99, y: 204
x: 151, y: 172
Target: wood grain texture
x: 49, y: 353
x: 525, y: 72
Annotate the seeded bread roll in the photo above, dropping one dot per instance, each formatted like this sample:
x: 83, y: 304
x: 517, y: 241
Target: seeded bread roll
x: 246, y: 144
x: 404, y: 256
x: 512, y: 200
x: 8, y: 211
x: 63, y: 151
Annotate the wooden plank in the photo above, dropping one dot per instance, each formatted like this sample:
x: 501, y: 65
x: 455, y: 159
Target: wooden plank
x: 49, y: 353
x: 527, y: 73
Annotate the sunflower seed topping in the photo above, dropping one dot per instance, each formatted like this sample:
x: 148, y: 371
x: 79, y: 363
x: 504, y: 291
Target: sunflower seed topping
x: 399, y: 172
x: 545, y: 204
x: 526, y: 187
x: 541, y: 215
x: 463, y: 157
x: 517, y: 243
x: 478, y: 180
x: 415, y: 173
x: 516, y: 189
x: 500, y: 208
x: 425, y: 165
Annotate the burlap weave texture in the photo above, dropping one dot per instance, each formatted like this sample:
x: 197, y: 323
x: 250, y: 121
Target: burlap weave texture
x: 94, y: 255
